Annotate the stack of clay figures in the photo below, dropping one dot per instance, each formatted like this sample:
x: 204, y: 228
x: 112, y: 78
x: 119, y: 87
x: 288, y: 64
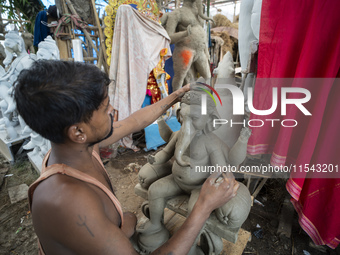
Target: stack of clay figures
x: 11, y: 122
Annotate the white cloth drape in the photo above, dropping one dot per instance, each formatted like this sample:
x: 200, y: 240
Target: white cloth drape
x: 136, y: 44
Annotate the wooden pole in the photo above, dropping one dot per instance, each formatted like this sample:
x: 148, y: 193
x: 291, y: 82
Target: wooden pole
x: 85, y: 59
x: 27, y: 21
x: 21, y: 29
x: 100, y: 59
x: 101, y: 37
x: 68, y: 30
x: 69, y: 4
x: 208, y: 8
x: 234, y: 17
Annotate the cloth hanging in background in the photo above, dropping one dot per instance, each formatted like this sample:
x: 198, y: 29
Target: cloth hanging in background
x: 40, y: 30
x: 136, y: 44
x: 300, y: 39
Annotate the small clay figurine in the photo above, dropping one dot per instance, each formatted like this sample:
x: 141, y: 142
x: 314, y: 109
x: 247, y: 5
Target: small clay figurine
x: 185, y: 28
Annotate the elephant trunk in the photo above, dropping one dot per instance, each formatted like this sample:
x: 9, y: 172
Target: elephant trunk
x: 183, y: 142
x: 200, y: 11
x: 164, y: 130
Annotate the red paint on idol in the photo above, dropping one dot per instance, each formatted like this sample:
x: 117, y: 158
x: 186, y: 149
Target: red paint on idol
x: 186, y: 56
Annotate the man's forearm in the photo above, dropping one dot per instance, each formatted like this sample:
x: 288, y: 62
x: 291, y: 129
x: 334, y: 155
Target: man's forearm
x: 181, y: 242
x: 140, y: 119
x: 145, y: 116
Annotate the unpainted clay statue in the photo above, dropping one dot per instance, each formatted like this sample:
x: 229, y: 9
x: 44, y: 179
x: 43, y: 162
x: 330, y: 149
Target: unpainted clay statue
x: 185, y: 29
x: 195, y: 149
x: 28, y: 39
x: 225, y: 75
x: 39, y: 145
x: 2, y: 57
x: 15, y: 46
x: 248, y: 32
x: 225, y: 69
x: 47, y: 49
x: 11, y: 133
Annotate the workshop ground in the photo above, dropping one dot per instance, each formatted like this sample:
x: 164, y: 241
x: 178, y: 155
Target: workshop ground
x: 17, y: 235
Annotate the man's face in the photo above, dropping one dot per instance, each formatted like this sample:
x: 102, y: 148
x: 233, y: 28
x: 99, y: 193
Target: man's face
x: 107, y: 136
x: 101, y: 122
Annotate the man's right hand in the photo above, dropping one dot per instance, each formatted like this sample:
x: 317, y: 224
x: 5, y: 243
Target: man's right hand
x: 216, y: 191
x: 181, y: 91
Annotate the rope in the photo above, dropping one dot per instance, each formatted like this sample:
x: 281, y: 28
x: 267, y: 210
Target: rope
x: 67, y: 18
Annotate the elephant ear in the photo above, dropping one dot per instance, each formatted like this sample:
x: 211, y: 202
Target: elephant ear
x: 209, y: 127
x: 178, y: 115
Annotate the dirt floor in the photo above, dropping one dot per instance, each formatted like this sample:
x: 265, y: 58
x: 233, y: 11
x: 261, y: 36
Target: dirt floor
x: 17, y: 235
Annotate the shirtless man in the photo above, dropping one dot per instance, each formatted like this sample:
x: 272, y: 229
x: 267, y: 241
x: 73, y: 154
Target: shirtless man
x: 73, y: 206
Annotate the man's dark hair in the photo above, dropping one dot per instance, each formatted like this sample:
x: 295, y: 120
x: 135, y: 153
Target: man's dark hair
x: 53, y: 95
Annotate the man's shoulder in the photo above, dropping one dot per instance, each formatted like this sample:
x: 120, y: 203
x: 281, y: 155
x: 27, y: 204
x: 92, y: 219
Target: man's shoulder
x: 59, y: 200
x: 62, y: 191
x: 67, y: 212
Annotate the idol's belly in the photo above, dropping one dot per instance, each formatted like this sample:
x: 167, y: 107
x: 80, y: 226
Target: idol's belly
x: 188, y: 178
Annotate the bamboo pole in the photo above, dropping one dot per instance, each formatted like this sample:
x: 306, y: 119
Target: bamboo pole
x: 208, y: 8
x: 100, y: 59
x: 89, y: 48
x: 177, y: 4
x: 101, y: 37
x: 77, y: 34
x: 234, y: 17
x: 21, y: 29
x: 92, y: 27
x: 68, y: 30
x: 27, y: 21
x: 85, y: 59
x: 84, y: 31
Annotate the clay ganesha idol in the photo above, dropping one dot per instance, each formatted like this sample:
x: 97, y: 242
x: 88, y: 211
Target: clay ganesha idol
x: 193, y: 147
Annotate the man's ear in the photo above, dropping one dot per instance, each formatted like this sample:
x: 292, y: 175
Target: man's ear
x: 76, y: 133
x: 209, y: 127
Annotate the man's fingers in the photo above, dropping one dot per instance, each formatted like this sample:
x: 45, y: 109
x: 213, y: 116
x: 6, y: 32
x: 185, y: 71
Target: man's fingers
x: 215, y: 178
x: 219, y: 177
x: 235, y: 188
x: 186, y: 87
x: 229, y: 185
x: 236, y: 185
x: 215, y: 175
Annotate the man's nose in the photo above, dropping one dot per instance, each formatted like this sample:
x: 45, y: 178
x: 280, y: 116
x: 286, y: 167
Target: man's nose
x: 110, y: 110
